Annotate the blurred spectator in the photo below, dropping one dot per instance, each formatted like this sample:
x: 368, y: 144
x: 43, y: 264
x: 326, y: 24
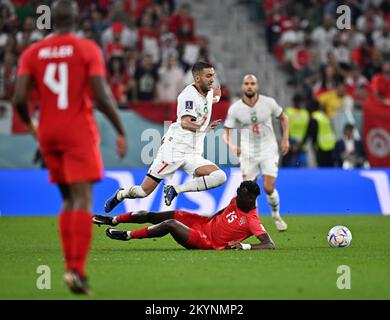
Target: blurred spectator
x: 298, y: 118
x: 321, y: 134
x: 323, y: 36
x: 128, y: 37
x: 380, y: 84
x: 369, y: 21
x: 356, y: 82
x: 341, y: 51
x: 277, y: 21
x: 183, y: 24
x: 382, y: 39
x: 137, y: 7
x: 119, y: 10
x: 291, y: 39
x: 28, y: 35
x: 5, y: 117
x: 116, y: 47
x: 131, y: 57
x: 326, y: 82
x: 86, y: 30
x: 7, y: 75
x: 146, y: 77
x: 171, y: 80
x: 118, y: 80
x: 148, y: 38
x: 168, y: 47
x: 349, y: 152
x: 374, y: 65
x: 337, y: 99
x: 98, y: 22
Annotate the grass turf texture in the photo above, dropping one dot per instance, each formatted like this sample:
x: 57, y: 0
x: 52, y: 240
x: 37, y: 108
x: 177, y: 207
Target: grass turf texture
x: 302, y: 267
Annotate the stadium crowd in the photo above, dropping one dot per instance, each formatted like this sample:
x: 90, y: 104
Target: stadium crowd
x: 336, y: 68
x: 148, y: 46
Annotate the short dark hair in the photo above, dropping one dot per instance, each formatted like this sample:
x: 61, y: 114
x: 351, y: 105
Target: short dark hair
x: 199, y: 66
x: 252, y: 187
x: 348, y: 126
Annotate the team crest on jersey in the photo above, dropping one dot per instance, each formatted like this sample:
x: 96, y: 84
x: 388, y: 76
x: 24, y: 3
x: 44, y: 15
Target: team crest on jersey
x: 189, y: 105
x: 243, y: 220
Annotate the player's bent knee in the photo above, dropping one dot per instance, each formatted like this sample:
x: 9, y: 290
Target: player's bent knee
x: 269, y: 189
x: 170, y: 224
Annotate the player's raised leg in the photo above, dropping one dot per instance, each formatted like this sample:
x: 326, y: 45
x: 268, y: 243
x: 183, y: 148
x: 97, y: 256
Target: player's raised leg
x: 147, y: 187
x: 273, y: 201
x: 207, y: 177
x: 178, y: 230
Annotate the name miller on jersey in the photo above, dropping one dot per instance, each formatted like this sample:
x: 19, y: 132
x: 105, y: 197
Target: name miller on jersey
x: 55, y: 52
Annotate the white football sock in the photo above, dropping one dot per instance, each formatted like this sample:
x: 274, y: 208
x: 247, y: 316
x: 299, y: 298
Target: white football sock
x: 132, y: 193
x: 273, y: 201
x: 213, y: 180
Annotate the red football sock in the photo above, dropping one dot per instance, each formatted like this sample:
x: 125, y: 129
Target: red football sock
x: 64, y: 226
x: 140, y: 233
x: 81, y: 230
x: 123, y: 218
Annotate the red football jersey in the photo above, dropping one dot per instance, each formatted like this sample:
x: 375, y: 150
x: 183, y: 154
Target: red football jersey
x: 61, y: 66
x: 233, y: 225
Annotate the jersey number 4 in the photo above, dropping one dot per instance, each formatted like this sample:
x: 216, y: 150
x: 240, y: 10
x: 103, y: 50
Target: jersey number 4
x: 60, y: 86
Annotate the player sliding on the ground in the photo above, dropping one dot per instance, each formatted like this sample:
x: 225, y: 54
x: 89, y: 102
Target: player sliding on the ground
x: 182, y: 146
x: 226, y: 229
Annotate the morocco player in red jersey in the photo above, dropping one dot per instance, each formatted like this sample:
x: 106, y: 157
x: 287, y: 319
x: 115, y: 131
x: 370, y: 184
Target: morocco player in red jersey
x: 226, y: 229
x: 64, y: 69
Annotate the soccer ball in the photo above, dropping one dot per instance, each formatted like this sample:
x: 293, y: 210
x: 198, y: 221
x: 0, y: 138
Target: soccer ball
x: 339, y: 237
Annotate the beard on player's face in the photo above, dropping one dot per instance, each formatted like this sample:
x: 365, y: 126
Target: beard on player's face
x: 250, y: 94
x: 204, y: 86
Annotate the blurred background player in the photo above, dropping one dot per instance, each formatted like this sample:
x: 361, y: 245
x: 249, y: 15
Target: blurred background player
x: 63, y: 68
x: 226, y: 229
x: 182, y: 146
x: 259, y: 148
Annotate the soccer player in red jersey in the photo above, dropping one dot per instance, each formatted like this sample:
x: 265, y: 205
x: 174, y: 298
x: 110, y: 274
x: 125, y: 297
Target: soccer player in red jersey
x: 64, y: 69
x: 226, y: 229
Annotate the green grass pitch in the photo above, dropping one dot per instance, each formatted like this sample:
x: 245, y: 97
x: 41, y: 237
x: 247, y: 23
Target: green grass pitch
x: 302, y: 267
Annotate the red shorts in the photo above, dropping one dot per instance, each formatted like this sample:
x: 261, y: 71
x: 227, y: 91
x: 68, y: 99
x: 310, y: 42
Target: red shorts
x: 197, y: 238
x: 78, y: 163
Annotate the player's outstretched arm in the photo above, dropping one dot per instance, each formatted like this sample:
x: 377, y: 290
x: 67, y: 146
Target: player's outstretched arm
x: 22, y: 88
x: 265, y: 243
x: 106, y: 104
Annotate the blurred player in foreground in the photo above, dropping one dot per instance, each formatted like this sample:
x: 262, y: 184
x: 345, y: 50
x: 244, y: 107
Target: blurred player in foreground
x: 259, y: 148
x: 226, y: 229
x: 64, y: 68
x: 182, y: 146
